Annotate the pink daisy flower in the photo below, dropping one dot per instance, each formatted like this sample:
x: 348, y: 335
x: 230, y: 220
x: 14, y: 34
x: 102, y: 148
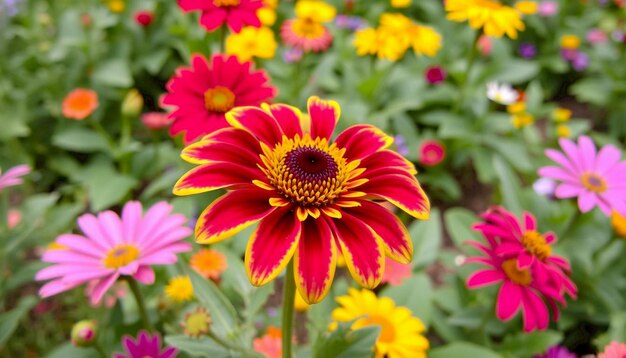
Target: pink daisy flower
x: 112, y: 247
x: 530, y: 247
x: 614, y: 350
x: 596, y: 178
x: 396, y: 272
x: 306, y: 36
x: 13, y: 176
x: 145, y: 345
x: 234, y: 13
x: 431, y: 152
x: 201, y: 95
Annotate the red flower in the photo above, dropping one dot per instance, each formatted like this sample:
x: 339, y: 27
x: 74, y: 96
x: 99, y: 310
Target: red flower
x: 432, y: 152
x: 435, y: 74
x: 203, y: 93
x: 235, y: 13
x: 311, y: 196
x: 144, y: 17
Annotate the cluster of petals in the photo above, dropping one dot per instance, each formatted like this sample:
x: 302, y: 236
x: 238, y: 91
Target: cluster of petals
x: 145, y: 345
x: 114, y: 246
x: 597, y: 179
x: 494, y: 18
x: 312, y: 196
x: 520, y: 259
x: 234, y: 13
x: 13, y: 176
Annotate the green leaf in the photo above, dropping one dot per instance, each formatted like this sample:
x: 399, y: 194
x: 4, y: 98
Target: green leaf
x: 415, y: 293
x: 346, y: 343
x: 68, y: 350
x: 426, y: 236
x: 82, y: 140
x: 459, y: 223
x: 106, y: 186
x: 200, y: 347
x: 11, y: 319
x: 528, y: 344
x: 222, y: 311
x: 114, y: 73
x: 517, y: 71
x: 462, y: 350
x: 509, y: 185
x: 592, y: 90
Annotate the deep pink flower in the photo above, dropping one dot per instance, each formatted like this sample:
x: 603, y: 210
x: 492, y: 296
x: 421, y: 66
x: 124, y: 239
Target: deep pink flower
x: 145, y: 346
x: 435, y: 74
x: 13, y: 176
x: 234, y: 13
x: 396, y: 272
x: 319, y: 41
x: 614, y: 350
x: 431, y: 152
x: 202, y: 94
x: 144, y: 18
x: 596, y: 178
x: 112, y: 247
x: 556, y: 352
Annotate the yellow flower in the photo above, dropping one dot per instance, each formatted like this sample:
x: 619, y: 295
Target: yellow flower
x: 522, y: 119
x: 397, y: 23
x: 561, y: 114
x: 401, y: 333
x: 179, y: 289
x: 299, y: 303
x: 527, y: 7
x: 401, y: 3
x: 570, y: 42
x: 116, y: 5
x: 618, y: 222
x: 563, y: 131
x: 494, y: 18
x: 517, y: 107
x: 252, y: 42
x: 425, y: 40
x: 266, y: 15
x: 391, y: 45
x: 209, y: 263
x: 315, y: 11
x: 197, y: 322
x: 366, y: 41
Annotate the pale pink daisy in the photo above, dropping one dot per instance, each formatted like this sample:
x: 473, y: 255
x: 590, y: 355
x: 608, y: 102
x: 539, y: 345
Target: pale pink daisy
x: 113, y: 247
x: 596, y: 178
x: 13, y: 176
x: 396, y: 272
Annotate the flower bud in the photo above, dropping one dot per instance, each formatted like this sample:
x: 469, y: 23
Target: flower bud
x: 84, y: 333
x: 132, y: 104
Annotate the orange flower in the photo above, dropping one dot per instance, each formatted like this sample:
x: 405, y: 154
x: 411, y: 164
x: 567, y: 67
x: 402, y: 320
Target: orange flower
x: 80, y: 103
x: 209, y: 263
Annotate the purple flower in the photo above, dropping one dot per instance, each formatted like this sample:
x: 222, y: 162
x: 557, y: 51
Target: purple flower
x: 10, y: 6
x: 145, y: 346
x: 13, y: 176
x: 351, y: 23
x: 527, y: 50
x: 568, y: 54
x: 400, y: 143
x: 580, y: 61
x: 556, y: 352
x: 292, y: 55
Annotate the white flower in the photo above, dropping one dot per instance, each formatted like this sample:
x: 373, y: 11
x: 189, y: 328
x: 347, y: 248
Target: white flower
x: 501, y: 93
x: 544, y: 187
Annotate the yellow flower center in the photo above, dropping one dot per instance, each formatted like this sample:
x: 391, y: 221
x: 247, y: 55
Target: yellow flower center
x: 219, y: 99
x: 536, y: 245
x: 226, y: 3
x: 387, y: 331
x: 308, y: 28
x: 121, y: 255
x: 197, y: 323
x: 520, y: 277
x: 307, y: 172
x: 593, y: 182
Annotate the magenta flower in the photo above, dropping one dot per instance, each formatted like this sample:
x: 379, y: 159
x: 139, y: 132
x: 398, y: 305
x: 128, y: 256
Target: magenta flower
x: 13, y: 176
x: 595, y: 178
x: 435, y: 75
x: 112, y: 247
x: 234, y: 13
x: 145, y: 346
x: 556, y: 352
x: 431, y: 152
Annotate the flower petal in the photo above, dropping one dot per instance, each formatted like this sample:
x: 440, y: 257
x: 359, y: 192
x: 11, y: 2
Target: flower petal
x: 362, y: 250
x: 362, y: 140
x: 401, y: 191
x: 256, y: 121
x: 323, y: 117
x: 315, y: 260
x: 509, y: 301
x: 484, y: 278
x: 387, y: 227
x: 217, y: 175
x: 224, y: 145
x: 385, y: 159
x: 289, y: 118
x: 232, y: 213
x: 272, y: 246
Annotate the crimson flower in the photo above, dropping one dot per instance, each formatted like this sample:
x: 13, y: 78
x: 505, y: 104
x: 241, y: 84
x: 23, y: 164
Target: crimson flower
x: 215, y: 13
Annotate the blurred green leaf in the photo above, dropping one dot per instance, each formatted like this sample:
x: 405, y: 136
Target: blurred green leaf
x: 592, y: 90
x: 11, y: 319
x: 346, y: 343
x: 78, y: 139
x: 459, y: 223
x: 517, y: 71
x: 426, y: 236
x: 524, y: 344
x: 462, y: 350
x: 115, y: 73
x: 200, y: 347
x: 414, y: 293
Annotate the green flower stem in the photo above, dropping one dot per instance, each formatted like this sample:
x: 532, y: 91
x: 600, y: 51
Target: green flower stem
x: 4, y: 212
x: 124, y: 142
x: 101, y: 352
x: 223, y: 39
x: 289, y: 292
x: 134, y: 287
x: 470, y: 64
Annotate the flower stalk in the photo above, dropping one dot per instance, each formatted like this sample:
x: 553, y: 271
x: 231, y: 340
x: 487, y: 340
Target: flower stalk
x: 289, y: 294
x: 141, y: 305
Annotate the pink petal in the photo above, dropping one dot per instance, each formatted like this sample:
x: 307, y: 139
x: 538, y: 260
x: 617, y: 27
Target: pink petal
x: 145, y: 275
x: 509, y: 300
x: 484, y: 278
x: 102, y: 287
x: 566, y: 190
x: 586, y: 201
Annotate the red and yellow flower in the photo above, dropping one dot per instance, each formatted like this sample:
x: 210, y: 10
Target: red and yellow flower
x: 312, y: 197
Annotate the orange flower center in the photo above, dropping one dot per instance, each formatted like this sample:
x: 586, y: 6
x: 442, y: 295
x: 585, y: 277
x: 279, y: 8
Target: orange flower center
x: 593, y: 182
x: 219, y: 99
x: 536, y: 245
x: 121, y: 255
x: 226, y: 3
x: 520, y: 277
x: 488, y: 4
x: 306, y: 171
x: 307, y: 28
x: 387, y: 330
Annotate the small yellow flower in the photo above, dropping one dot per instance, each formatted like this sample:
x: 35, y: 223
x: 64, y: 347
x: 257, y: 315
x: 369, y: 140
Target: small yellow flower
x: 315, y: 11
x: 366, y: 41
x: 494, y: 18
x: 561, y: 114
x: 179, y: 289
x: 401, y: 3
x: 522, y: 119
x: 252, y: 42
x: 527, y: 7
x: 197, y: 322
x: 267, y: 14
x: 563, y: 131
x: 116, y: 6
x: 425, y: 41
x: 516, y: 108
x: 618, y: 222
x: 299, y: 303
x: 570, y: 42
